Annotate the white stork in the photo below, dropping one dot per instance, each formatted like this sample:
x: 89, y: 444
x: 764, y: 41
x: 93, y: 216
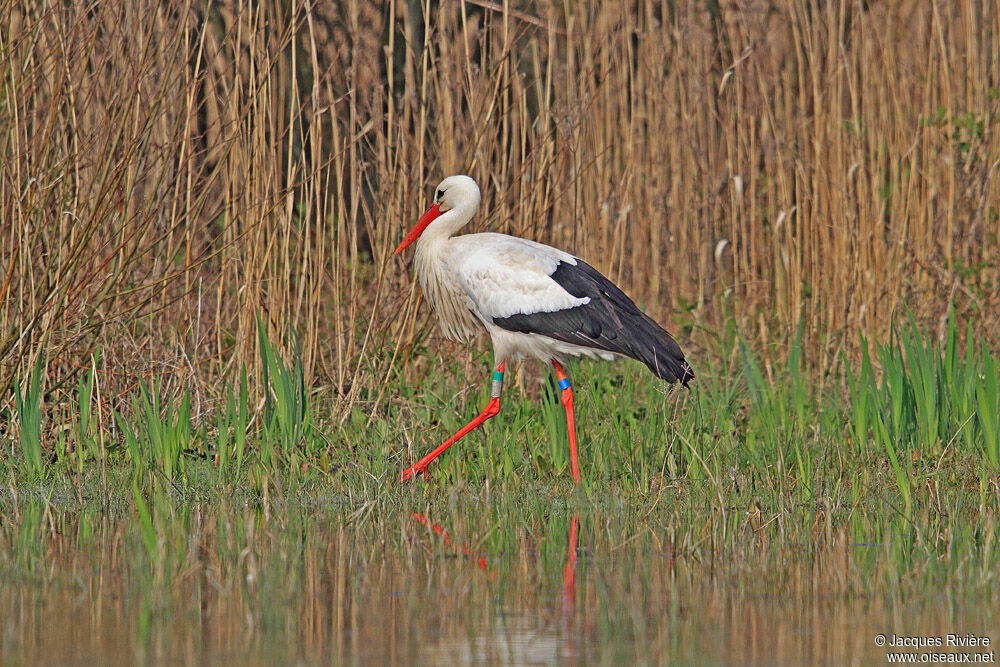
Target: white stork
x: 535, y: 301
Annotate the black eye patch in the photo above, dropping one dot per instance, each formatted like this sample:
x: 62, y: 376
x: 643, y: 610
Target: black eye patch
x: 438, y: 195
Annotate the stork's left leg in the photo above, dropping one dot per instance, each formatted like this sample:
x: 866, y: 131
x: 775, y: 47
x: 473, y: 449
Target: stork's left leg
x: 491, y: 409
x: 567, y: 401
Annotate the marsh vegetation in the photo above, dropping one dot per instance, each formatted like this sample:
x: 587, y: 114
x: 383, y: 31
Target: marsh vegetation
x: 212, y: 371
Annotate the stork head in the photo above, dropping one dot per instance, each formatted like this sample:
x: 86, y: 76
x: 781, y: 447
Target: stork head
x: 455, y: 201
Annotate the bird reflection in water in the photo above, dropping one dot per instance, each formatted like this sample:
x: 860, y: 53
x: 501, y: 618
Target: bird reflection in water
x: 568, y: 590
x: 463, y: 547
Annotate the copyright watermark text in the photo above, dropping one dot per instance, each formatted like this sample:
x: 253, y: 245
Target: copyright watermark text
x: 935, y: 649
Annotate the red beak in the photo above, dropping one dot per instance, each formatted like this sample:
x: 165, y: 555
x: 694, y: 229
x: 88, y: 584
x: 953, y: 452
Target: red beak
x: 419, y: 228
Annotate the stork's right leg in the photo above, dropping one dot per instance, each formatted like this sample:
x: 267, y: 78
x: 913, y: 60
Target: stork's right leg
x: 567, y: 401
x: 491, y: 409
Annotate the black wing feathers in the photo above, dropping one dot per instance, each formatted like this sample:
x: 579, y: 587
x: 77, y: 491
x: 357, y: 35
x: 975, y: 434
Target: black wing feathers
x: 610, y: 321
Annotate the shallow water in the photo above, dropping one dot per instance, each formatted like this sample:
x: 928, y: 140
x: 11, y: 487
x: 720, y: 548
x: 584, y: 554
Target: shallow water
x: 462, y: 581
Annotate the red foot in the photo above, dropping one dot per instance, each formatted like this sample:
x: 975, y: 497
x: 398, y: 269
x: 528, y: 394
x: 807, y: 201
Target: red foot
x: 412, y: 471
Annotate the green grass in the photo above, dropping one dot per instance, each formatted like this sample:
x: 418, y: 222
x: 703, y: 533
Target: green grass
x: 823, y: 507
x: 29, y: 421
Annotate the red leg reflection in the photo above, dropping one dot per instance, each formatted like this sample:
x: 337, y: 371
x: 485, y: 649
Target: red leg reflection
x: 569, y: 591
x: 422, y: 518
x: 569, y: 570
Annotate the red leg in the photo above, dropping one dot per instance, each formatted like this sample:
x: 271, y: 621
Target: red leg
x: 567, y: 401
x: 491, y: 409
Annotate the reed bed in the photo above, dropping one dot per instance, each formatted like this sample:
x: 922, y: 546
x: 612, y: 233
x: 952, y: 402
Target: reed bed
x: 173, y: 171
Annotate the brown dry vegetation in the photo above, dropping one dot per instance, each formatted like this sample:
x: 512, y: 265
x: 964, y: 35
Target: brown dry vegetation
x: 169, y: 170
